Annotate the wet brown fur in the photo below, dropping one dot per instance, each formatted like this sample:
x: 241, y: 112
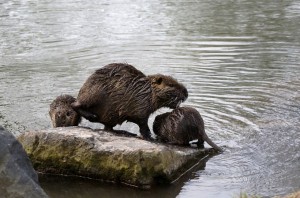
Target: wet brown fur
x: 181, y: 126
x: 61, y: 112
x: 119, y: 92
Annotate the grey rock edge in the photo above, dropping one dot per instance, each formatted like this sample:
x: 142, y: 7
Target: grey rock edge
x: 17, y: 176
x: 107, y: 156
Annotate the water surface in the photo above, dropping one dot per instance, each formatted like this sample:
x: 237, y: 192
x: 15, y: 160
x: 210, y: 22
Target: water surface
x: 238, y: 59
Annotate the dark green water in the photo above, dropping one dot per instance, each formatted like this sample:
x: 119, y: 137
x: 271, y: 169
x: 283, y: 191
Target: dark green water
x: 238, y: 59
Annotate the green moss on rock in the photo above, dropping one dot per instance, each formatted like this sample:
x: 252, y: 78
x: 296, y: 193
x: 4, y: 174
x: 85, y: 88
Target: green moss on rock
x: 102, y: 155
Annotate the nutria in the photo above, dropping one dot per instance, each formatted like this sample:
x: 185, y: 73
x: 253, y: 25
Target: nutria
x: 61, y: 112
x: 119, y: 92
x: 181, y: 126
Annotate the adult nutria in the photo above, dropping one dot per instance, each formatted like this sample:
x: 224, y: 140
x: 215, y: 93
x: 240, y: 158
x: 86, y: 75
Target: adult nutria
x: 61, y: 112
x: 119, y: 92
x: 181, y: 126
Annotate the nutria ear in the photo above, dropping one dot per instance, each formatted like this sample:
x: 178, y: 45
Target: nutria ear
x: 157, y: 80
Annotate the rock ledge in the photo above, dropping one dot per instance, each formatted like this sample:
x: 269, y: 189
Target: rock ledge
x: 106, y: 156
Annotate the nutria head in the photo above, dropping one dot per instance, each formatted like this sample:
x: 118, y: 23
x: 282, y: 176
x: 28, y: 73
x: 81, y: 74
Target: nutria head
x: 61, y: 112
x: 167, y: 92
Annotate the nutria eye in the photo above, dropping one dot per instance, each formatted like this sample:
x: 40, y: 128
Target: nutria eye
x: 68, y: 113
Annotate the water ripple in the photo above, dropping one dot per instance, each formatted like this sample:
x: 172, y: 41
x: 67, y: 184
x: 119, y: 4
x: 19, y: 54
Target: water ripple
x: 238, y: 60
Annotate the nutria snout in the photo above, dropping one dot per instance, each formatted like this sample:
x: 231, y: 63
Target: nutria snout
x: 61, y: 112
x: 119, y: 92
x: 181, y: 126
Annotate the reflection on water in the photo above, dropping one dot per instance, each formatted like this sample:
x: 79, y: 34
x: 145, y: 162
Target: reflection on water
x: 238, y: 59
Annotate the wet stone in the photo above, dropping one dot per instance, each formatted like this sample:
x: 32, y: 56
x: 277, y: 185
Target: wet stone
x: 17, y: 177
x: 108, y: 156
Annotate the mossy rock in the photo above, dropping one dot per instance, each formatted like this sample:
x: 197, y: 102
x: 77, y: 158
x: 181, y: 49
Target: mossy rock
x: 103, y: 155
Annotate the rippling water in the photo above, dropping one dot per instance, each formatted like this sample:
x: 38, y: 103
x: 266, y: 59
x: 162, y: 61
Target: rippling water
x: 239, y: 60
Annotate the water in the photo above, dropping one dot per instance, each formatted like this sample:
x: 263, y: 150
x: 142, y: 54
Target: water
x: 238, y: 59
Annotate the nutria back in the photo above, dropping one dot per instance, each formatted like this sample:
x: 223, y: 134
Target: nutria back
x: 119, y: 92
x: 61, y: 112
x: 181, y: 126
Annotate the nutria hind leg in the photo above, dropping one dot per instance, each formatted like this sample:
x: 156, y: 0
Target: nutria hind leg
x: 87, y: 115
x: 200, y: 144
x: 145, y: 131
x: 108, y: 128
x: 123, y: 133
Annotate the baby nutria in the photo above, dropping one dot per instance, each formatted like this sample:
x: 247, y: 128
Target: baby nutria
x: 181, y: 126
x: 61, y: 112
x: 119, y: 92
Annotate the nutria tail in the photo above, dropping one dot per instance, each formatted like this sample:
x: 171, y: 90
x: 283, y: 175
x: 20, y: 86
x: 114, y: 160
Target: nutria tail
x: 210, y: 142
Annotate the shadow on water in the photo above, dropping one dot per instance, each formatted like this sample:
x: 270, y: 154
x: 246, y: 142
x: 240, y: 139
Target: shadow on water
x: 62, y: 186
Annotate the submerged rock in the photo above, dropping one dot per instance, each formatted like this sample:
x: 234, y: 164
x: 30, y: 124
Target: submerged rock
x: 106, y: 156
x: 17, y: 176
